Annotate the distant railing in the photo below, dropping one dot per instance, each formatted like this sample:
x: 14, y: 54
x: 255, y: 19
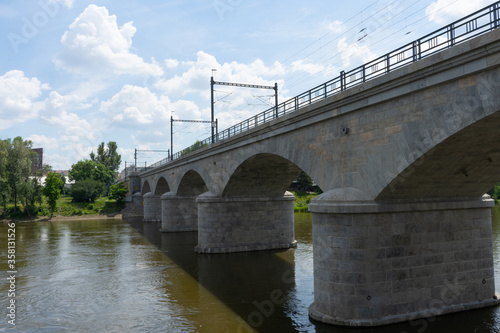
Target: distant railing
x: 475, y: 24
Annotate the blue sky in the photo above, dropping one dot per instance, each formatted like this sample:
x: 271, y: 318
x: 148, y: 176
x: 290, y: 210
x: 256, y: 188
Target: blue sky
x: 74, y: 73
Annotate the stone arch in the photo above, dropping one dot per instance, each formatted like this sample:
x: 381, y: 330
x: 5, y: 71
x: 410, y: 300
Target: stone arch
x: 463, y: 165
x: 191, y: 184
x: 162, y: 186
x: 146, y: 187
x: 261, y: 174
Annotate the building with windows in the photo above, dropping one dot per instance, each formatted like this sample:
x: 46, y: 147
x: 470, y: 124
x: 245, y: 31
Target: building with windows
x: 37, y: 159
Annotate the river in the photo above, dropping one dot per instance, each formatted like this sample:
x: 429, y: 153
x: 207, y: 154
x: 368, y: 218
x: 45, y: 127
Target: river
x: 125, y: 276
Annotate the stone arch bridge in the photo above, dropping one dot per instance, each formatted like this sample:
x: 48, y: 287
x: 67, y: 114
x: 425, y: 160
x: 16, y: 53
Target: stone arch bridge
x: 403, y: 229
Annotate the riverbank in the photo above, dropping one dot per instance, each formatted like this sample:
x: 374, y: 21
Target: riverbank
x: 302, y: 200
x: 102, y: 208
x: 105, y: 208
x: 64, y: 218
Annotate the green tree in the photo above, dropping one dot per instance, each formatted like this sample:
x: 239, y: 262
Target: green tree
x: 304, y: 182
x: 86, y: 190
x: 52, y: 190
x: 108, y: 156
x: 119, y: 192
x: 63, y: 181
x: 33, y: 189
x: 82, y: 170
x: 495, y: 193
x: 89, y: 169
x: 195, y: 146
x: 18, y: 167
x: 4, y: 181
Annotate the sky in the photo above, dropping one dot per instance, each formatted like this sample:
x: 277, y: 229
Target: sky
x: 75, y: 73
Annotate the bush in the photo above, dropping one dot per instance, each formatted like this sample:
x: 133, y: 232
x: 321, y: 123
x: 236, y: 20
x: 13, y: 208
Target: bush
x: 86, y: 190
x: 118, y: 192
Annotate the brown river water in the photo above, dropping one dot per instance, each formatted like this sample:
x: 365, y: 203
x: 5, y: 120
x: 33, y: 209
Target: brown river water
x: 125, y: 276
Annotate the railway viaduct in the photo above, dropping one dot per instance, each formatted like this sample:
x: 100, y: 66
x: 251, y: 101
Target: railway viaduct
x: 403, y: 228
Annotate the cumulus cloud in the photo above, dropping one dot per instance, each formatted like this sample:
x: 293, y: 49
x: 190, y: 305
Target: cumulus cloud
x: 446, y: 11
x: 95, y: 44
x: 334, y: 26
x: 171, y: 63
x: 18, y: 98
x: 354, y: 54
x: 136, y: 106
x: 55, y: 113
x: 197, y: 77
x: 43, y: 141
x: 76, y: 136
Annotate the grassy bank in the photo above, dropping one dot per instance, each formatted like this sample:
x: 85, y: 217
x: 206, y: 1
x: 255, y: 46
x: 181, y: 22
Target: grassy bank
x: 67, y: 208
x: 302, y: 199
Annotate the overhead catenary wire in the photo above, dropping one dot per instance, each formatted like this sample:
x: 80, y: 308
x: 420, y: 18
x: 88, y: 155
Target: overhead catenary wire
x: 299, y: 79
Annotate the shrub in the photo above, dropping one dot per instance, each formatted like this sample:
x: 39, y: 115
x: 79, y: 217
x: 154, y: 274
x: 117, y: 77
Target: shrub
x: 86, y: 190
x: 118, y: 192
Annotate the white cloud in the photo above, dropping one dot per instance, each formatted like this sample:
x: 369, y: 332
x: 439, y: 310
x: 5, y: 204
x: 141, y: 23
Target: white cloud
x: 95, y: 44
x: 196, y: 79
x: 353, y: 54
x: 43, y: 141
x: 134, y: 106
x: 334, y: 26
x: 171, y: 63
x: 18, y: 96
x: 310, y: 68
x: 60, y: 161
x: 76, y: 136
x: 446, y: 11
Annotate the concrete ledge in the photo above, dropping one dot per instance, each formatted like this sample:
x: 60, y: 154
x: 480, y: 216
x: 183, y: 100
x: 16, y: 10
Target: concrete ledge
x: 180, y: 229
x: 209, y: 197
x: 334, y: 202
x: 245, y: 248
x: 316, y: 315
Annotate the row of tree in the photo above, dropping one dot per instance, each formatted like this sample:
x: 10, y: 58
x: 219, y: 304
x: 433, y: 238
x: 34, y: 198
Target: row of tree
x: 19, y: 182
x: 94, y: 177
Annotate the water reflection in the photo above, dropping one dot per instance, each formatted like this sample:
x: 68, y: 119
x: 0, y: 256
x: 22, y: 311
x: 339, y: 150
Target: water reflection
x: 117, y: 276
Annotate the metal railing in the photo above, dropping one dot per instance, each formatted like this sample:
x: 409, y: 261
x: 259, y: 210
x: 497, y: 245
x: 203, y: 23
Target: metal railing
x: 473, y: 25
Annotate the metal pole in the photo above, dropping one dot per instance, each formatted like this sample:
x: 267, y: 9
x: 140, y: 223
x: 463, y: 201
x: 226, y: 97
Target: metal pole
x: 217, y: 127
x: 171, y: 138
x: 276, y: 97
x: 135, y: 157
x: 212, y: 105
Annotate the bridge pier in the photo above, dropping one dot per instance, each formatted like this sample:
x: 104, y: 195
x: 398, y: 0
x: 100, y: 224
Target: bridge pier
x: 229, y: 224
x: 380, y: 263
x: 152, y: 207
x: 178, y: 213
